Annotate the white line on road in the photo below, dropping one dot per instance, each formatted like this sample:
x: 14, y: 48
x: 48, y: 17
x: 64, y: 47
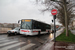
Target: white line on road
x: 4, y: 41
x: 26, y: 47
x: 11, y: 46
x: 2, y: 38
x: 8, y: 43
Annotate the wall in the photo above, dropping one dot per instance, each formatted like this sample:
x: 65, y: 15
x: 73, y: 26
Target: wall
x: 4, y: 30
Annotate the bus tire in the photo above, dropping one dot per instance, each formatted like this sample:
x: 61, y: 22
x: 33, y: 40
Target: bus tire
x: 38, y: 32
x: 48, y: 32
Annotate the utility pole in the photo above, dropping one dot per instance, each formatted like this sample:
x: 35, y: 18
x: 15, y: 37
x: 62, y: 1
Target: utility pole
x: 66, y: 19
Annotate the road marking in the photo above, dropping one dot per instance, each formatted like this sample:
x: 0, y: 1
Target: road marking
x: 26, y: 47
x: 4, y: 40
x: 11, y: 46
x: 8, y: 43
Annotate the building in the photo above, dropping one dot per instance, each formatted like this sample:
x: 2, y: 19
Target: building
x: 9, y: 25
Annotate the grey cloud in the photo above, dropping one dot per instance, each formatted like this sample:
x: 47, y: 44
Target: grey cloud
x: 13, y: 10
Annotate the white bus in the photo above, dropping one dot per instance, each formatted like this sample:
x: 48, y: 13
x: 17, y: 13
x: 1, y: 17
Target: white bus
x: 33, y: 27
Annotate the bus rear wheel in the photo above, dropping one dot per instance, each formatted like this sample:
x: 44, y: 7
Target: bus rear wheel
x: 38, y: 32
x: 48, y: 32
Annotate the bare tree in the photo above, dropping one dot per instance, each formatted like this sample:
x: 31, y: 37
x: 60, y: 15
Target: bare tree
x: 60, y: 7
x: 65, y: 10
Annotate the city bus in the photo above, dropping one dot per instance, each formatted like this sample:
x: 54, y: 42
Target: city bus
x: 33, y: 27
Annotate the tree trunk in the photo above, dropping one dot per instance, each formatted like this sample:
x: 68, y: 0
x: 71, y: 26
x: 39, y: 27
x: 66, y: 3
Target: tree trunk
x: 66, y: 19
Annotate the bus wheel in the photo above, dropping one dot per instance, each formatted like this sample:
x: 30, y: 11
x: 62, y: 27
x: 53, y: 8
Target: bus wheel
x: 48, y: 32
x: 38, y: 32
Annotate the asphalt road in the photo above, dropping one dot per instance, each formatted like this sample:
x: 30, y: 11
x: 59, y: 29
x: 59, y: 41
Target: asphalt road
x: 21, y: 42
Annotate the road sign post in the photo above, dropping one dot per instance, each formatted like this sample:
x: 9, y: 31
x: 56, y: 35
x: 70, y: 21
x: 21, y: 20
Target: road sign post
x: 54, y: 12
x: 54, y: 28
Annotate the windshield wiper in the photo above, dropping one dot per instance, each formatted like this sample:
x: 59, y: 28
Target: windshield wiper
x: 28, y: 26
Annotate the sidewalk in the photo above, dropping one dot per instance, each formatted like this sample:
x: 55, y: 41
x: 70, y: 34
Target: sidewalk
x: 57, y: 46
x: 50, y: 45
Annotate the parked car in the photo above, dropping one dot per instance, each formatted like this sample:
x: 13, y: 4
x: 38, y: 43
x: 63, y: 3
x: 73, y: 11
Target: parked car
x: 14, y: 31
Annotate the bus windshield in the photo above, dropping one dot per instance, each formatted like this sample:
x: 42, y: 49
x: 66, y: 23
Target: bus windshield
x: 26, y: 24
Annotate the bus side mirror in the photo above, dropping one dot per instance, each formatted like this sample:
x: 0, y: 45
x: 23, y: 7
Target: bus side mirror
x: 19, y: 29
x: 52, y: 20
x: 19, y: 21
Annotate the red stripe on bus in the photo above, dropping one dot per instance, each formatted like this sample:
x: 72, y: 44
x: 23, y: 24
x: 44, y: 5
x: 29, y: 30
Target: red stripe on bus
x: 35, y: 31
x: 24, y: 30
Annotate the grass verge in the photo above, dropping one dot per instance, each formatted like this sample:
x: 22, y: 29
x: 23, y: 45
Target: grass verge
x: 64, y: 38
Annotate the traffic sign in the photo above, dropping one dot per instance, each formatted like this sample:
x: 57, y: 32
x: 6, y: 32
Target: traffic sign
x: 54, y: 12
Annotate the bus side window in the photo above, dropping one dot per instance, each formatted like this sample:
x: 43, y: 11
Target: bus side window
x: 38, y: 27
x: 34, y: 27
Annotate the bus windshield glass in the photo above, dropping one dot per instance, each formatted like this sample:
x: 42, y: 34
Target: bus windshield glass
x: 26, y: 24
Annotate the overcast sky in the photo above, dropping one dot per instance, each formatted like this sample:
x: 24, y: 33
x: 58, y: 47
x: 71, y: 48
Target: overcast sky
x: 13, y: 10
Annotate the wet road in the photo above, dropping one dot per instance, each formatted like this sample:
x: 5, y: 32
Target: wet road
x: 21, y: 42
